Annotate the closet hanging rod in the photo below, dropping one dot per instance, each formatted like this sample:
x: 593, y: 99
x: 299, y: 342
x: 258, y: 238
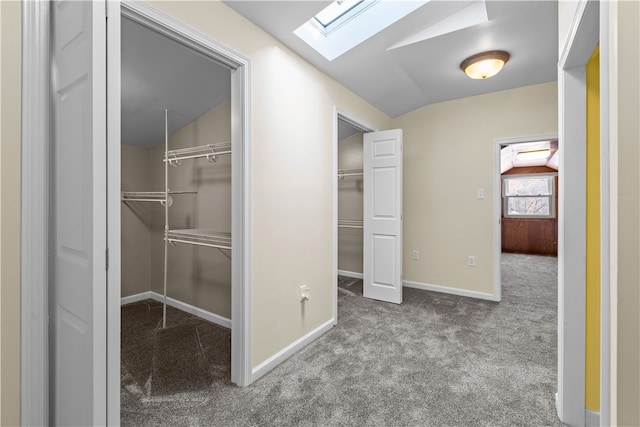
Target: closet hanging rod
x: 350, y: 223
x: 196, y: 243
x: 349, y: 172
x: 143, y: 196
x: 210, y: 151
x: 149, y: 196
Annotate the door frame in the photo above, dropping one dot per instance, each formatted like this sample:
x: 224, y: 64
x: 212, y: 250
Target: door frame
x: 239, y: 65
x: 35, y: 160
x: 589, y: 27
x: 497, y: 204
x: 341, y: 114
x: 34, y: 268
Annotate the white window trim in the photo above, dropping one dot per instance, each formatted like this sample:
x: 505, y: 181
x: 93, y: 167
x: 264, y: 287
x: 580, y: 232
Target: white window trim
x: 551, y: 197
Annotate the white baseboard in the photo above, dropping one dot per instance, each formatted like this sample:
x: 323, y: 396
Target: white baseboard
x: 138, y: 297
x: 447, y: 290
x: 591, y: 418
x: 351, y: 274
x: 290, y: 350
x: 183, y: 306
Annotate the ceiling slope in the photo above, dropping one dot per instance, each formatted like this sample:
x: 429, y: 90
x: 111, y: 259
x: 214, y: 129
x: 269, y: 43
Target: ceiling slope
x: 415, y: 62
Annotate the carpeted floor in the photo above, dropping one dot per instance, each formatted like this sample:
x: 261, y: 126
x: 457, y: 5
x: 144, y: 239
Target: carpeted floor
x: 435, y: 360
x: 189, y: 354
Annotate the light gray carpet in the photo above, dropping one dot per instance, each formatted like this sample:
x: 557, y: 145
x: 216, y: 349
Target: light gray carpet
x: 435, y: 360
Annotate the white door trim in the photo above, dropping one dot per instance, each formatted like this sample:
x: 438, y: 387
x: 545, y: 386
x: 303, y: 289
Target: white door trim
x: 241, y: 167
x: 583, y: 36
x: 114, y: 233
x: 34, y: 334
x: 608, y: 230
x: 497, y: 204
x: 340, y: 114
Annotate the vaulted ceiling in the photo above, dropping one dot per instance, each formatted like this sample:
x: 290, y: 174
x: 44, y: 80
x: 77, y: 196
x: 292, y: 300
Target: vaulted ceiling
x: 159, y: 73
x: 415, y: 61
x: 412, y: 63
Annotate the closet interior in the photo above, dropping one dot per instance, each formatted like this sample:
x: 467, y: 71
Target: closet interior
x: 175, y: 217
x: 350, y: 200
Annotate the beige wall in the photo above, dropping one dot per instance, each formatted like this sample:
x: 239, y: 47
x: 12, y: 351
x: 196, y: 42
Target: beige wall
x: 448, y: 154
x: 292, y: 121
x: 135, y: 221
x: 350, y: 204
x: 628, y: 215
x: 10, y: 69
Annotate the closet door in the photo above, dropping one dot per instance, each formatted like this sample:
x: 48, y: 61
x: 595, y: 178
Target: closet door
x: 383, y: 215
x: 78, y: 360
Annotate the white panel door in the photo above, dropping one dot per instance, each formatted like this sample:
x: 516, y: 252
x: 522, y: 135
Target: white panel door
x: 383, y: 215
x: 78, y: 209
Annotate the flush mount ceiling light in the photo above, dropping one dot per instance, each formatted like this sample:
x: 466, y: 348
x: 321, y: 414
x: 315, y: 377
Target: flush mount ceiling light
x: 485, y: 64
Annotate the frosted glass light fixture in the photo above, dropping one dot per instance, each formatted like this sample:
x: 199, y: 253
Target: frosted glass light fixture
x: 484, y: 65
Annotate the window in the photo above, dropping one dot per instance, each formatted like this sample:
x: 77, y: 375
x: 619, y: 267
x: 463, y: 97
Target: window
x: 335, y: 11
x: 344, y: 24
x: 529, y: 196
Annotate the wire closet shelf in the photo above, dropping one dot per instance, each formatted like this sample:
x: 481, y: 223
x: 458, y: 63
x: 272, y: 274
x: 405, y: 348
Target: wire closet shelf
x: 208, y: 151
x: 151, y: 196
x: 198, y: 237
x: 350, y: 223
x: 201, y: 237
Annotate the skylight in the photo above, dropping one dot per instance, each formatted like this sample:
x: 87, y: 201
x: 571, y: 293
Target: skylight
x: 344, y: 24
x: 335, y: 11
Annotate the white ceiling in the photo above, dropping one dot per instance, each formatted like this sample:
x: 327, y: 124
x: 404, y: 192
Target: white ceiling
x: 159, y: 73
x: 426, y: 71
x: 345, y: 130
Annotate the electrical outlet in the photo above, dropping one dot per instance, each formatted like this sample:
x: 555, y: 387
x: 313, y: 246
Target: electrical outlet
x: 305, y: 293
x: 471, y: 261
x: 415, y: 254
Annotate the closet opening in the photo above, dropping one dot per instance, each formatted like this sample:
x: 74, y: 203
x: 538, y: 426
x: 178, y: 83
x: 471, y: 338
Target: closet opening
x: 350, y: 205
x: 183, y: 215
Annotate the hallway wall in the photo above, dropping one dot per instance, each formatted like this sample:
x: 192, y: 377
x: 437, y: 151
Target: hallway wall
x: 292, y: 125
x: 626, y: 213
x: 449, y: 153
x: 10, y: 146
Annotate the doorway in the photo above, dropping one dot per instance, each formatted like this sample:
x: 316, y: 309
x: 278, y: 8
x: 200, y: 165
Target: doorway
x: 349, y: 199
x: 369, y: 163
x: 208, y: 172
x: 176, y: 245
x: 529, y: 184
x: 506, y: 151
x: 99, y: 391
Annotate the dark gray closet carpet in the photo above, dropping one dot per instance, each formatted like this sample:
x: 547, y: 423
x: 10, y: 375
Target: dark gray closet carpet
x: 435, y: 360
x: 190, y: 354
